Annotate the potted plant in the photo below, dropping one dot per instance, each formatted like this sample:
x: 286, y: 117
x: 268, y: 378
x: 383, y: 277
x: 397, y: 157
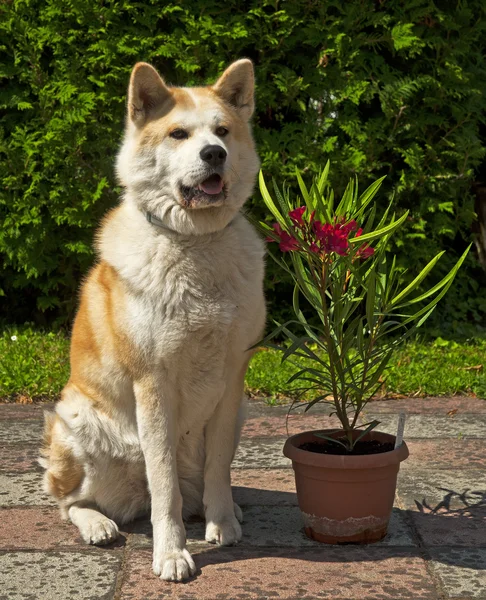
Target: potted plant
x: 356, y: 313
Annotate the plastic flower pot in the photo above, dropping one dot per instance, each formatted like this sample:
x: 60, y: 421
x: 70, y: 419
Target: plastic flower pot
x: 345, y: 498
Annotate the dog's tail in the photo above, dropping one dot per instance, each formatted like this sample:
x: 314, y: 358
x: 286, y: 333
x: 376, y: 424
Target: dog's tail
x: 63, y: 471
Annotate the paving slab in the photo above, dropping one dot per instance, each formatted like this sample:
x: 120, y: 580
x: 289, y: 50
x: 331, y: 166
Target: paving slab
x: 461, y: 571
x: 436, y: 547
x: 417, y: 426
x: 23, y: 489
x: 329, y: 573
x: 450, y: 454
x: 42, y: 529
x: 24, y: 411
x: 282, y: 426
x: 427, y: 426
x: 264, y: 487
x: 442, y: 490
x: 26, y: 431
x: 261, y: 453
x: 430, y: 405
x: 426, y: 454
x: 273, y: 526
x: 19, y: 458
x: 58, y: 576
x: 433, y: 406
x: 451, y: 528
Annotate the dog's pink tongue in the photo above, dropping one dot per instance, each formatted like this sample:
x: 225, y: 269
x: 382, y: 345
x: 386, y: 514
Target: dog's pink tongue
x: 212, y: 185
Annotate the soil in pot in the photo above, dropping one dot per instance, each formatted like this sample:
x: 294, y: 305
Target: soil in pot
x: 359, y: 449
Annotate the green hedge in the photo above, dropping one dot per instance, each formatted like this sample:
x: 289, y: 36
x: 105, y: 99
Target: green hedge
x: 381, y: 88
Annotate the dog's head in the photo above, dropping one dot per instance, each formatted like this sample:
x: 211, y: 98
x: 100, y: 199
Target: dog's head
x: 188, y: 155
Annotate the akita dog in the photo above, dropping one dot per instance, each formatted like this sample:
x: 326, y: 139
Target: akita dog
x: 150, y: 417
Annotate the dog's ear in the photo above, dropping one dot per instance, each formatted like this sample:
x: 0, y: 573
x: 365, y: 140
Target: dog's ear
x: 147, y: 93
x: 236, y: 86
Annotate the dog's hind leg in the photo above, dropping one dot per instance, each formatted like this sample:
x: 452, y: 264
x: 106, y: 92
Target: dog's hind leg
x: 94, y: 527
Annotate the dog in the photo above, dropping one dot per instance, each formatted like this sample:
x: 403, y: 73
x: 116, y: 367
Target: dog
x: 150, y: 417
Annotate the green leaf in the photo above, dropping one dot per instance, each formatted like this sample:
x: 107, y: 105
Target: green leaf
x: 268, y: 200
x: 321, y: 183
x: 367, y: 196
x: 331, y: 439
x: 370, y: 427
x: 420, y: 277
x: 380, y: 232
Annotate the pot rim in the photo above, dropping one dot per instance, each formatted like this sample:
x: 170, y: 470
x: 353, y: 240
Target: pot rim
x: 335, y: 461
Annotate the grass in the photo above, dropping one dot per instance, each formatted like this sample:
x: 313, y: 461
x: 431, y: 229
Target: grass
x: 35, y: 365
x: 439, y: 368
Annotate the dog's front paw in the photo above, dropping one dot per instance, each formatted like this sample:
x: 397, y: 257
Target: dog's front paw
x: 174, y: 566
x: 225, y: 532
x: 100, y: 531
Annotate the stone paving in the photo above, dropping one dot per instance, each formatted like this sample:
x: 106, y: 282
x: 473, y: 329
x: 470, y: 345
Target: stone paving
x: 436, y: 547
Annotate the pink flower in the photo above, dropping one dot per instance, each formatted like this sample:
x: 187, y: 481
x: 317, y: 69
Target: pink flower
x: 296, y: 216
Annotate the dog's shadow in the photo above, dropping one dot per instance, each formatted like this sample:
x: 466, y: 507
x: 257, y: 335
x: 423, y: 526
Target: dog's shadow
x: 446, y: 532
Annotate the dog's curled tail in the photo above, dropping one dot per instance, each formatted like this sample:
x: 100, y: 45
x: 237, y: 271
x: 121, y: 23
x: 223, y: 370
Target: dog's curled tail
x: 63, y: 472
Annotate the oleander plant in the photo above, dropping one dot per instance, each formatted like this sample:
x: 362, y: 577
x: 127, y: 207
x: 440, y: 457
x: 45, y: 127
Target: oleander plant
x: 356, y: 310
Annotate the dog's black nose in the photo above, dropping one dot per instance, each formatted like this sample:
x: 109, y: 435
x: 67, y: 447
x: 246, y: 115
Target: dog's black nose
x: 213, y: 155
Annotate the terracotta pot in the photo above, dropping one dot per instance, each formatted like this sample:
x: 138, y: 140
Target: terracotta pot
x: 345, y: 499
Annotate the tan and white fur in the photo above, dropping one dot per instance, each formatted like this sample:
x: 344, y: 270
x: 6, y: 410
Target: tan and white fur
x: 150, y: 417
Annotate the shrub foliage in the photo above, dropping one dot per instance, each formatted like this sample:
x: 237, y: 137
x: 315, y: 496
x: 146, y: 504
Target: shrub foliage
x: 394, y: 89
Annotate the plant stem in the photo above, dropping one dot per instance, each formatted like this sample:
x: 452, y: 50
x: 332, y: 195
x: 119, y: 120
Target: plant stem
x: 340, y: 408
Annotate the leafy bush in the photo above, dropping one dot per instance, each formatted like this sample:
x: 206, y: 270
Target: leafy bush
x: 379, y: 88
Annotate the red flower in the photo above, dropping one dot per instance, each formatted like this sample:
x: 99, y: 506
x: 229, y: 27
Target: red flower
x: 296, y: 216
x: 287, y: 242
x: 365, y: 251
x: 348, y: 227
x: 331, y: 237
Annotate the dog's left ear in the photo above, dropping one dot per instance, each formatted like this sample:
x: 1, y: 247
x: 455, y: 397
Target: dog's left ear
x: 237, y: 85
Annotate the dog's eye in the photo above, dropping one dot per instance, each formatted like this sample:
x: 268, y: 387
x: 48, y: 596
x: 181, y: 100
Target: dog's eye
x: 221, y: 131
x: 179, y: 134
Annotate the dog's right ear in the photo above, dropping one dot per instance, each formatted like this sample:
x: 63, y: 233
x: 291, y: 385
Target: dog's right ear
x: 147, y: 93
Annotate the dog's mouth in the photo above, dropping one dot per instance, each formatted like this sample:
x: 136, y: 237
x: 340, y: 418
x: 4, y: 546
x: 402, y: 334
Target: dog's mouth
x: 209, y: 192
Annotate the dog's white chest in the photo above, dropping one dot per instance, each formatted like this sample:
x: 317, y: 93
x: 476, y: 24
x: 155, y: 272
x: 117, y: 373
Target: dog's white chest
x: 192, y: 299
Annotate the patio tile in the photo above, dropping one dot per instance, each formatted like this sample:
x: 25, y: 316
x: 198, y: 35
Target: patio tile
x: 326, y: 573
x: 433, y: 454
x: 23, y: 489
x: 260, y: 453
x: 42, y: 529
x: 452, y: 529
x: 271, y: 426
x: 266, y: 452
x: 442, y: 491
x: 15, y: 411
x: 427, y: 426
x: 432, y: 406
x: 27, y: 431
x: 19, y: 458
x: 462, y: 571
x: 270, y: 487
x: 58, y: 576
x: 275, y: 526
